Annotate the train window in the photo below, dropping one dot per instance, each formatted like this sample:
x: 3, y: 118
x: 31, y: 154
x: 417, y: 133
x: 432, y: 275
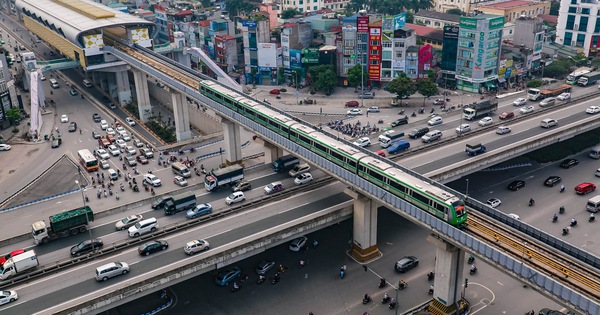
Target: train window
x: 375, y: 175
x: 336, y: 155
x: 440, y: 207
x: 304, y: 138
x: 319, y: 146
x: 420, y: 197
x: 350, y: 161
x: 398, y: 186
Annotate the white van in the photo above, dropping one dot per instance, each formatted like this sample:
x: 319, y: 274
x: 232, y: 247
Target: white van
x: 594, y: 153
x: 87, y: 83
x: 110, y: 270
x: 593, y: 204
x: 54, y: 83
x: 113, y: 175
x: 181, y: 170
x: 299, y: 169
x: 431, y: 136
x: 548, y: 123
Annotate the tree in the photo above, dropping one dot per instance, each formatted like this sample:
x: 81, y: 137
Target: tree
x: 235, y: 7
x: 289, y: 13
x: 410, y: 17
x: 326, y: 81
x: 417, y: 5
x: 534, y: 83
x: 316, y: 71
x: 431, y: 74
x: 595, y: 62
x: 13, y: 115
x: 427, y: 88
x: 455, y: 11
x: 402, y: 86
x: 354, y: 74
x: 558, y: 68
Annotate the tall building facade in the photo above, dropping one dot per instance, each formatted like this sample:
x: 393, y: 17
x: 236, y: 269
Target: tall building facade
x: 579, y: 26
x: 479, y: 43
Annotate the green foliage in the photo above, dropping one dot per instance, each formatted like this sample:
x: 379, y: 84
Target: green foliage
x: 289, y: 13
x: 554, y: 7
x: 390, y: 7
x: 410, y: 17
x: 431, y: 74
x: 534, y: 83
x: 426, y: 87
x: 354, y: 74
x: 13, y: 115
x: 402, y: 86
x: 326, y: 81
x: 558, y: 68
x: 455, y: 11
x: 236, y: 7
x: 315, y: 71
x: 595, y: 62
x: 166, y: 133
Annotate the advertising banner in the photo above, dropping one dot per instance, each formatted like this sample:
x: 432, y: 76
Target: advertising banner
x: 399, y: 20
x: 362, y: 24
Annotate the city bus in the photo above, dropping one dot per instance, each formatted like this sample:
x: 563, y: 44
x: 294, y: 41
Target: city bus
x: 87, y: 160
x: 574, y: 76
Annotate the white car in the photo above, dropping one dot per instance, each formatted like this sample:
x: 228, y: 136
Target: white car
x: 7, y: 296
x: 111, y: 131
x: 121, y: 144
x: 114, y: 151
x: 373, y: 109
x: 180, y: 181
x: 235, y: 197
x: 363, y: 142
x: 593, y: 110
x: 303, y: 178
x: 564, y: 96
x: 527, y: 109
x: 102, y: 154
x: 130, y: 150
x: 143, y: 227
x: 503, y: 130
x: 125, y: 136
x: 520, y: 101
x: 130, y: 121
x: 485, y: 121
x: 297, y: 244
x: 152, y: 180
x: 464, y: 128
x: 64, y: 119
x: 494, y: 202
x: 355, y: 111
x: 514, y: 216
x: 195, y: 246
x: 137, y: 143
x: 121, y: 130
x: 103, y: 124
x: 437, y: 120
x: 4, y: 147
x: 104, y: 164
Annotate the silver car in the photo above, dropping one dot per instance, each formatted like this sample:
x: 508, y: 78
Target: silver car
x: 195, y: 246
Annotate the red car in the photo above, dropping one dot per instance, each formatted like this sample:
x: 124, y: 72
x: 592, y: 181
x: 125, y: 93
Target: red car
x: 12, y: 254
x: 142, y: 159
x: 103, y: 142
x: 507, y: 115
x: 110, y: 138
x: 351, y: 104
x: 275, y: 92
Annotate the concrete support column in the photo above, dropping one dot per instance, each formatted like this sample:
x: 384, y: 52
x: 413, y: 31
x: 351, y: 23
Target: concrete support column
x: 182, y: 118
x: 448, y: 273
x: 123, y: 91
x: 272, y: 152
x: 142, y: 95
x: 231, y: 133
x: 364, y: 242
x: 182, y: 58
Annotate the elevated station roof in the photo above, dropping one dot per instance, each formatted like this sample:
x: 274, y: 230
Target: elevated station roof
x: 71, y: 18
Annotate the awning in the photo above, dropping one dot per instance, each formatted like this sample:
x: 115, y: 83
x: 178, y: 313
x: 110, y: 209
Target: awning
x: 501, y: 80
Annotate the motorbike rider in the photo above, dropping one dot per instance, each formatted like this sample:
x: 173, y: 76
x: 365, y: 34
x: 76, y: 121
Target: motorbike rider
x: 386, y: 296
x: 402, y: 284
x: 367, y: 297
x: 561, y: 209
x: 566, y: 230
x: 554, y: 217
x: 573, y: 221
x: 592, y: 217
x: 531, y: 201
x: 473, y: 268
x: 562, y: 187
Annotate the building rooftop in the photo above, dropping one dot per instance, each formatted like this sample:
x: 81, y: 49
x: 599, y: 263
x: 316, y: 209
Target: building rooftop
x: 482, y: 16
x: 420, y: 29
x: 509, y: 4
x: 551, y: 19
x: 438, y: 15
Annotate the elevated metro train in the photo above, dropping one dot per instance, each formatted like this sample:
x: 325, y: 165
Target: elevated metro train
x: 434, y: 200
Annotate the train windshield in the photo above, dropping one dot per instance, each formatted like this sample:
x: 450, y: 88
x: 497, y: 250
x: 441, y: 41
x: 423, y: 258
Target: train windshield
x: 459, y: 208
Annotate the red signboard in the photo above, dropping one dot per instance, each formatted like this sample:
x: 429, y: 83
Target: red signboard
x: 362, y: 24
x: 374, y: 53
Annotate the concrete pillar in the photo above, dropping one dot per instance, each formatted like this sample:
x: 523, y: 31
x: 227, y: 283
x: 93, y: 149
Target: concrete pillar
x: 233, y: 145
x: 364, y: 242
x: 182, y: 118
x: 123, y: 91
x: 449, y: 265
x: 272, y: 152
x: 142, y: 95
x: 182, y: 58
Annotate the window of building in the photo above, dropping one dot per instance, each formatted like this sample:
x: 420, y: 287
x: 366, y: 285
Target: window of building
x: 573, y: 1
x: 301, y: 2
x: 412, y: 62
x: 386, y: 55
x: 466, y: 34
x: 580, y: 40
x: 398, y: 54
x: 568, y: 39
x: 412, y: 72
x: 315, y: 8
x: 373, y: 52
x: 493, y: 44
x: 398, y: 44
x: 437, y: 24
x: 597, y: 27
x: 349, y: 61
x: 583, y: 23
x: 386, y: 73
x: 585, y: 11
x: 466, y: 44
x: 570, y: 22
x: 572, y: 9
x: 387, y: 44
x: 374, y: 62
x: 375, y: 43
x: 386, y: 64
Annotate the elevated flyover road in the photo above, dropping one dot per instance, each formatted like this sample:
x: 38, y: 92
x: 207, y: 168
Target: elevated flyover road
x: 450, y: 155
x: 56, y: 290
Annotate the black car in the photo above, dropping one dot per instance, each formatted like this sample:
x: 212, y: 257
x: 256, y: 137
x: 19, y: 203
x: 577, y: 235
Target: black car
x: 552, y: 180
x: 86, y: 247
x: 96, y: 117
x: 96, y: 135
x: 516, y: 185
x: 72, y: 126
x: 399, y: 121
x: 547, y: 311
x: 568, y: 163
x: 152, y: 247
x: 418, y: 132
x: 406, y: 263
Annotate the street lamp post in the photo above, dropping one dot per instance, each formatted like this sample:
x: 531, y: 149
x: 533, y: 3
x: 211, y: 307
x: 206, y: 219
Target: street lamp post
x: 87, y: 219
x: 467, y: 190
x: 362, y: 79
x: 296, y: 84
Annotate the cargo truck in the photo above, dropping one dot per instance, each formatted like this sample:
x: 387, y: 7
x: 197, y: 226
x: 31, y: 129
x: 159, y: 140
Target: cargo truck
x: 474, y: 149
x: 481, y: 109
x: 175, y: 205
x: 223, y: 176
x: 62, y: 224
x: 159, y: 203
x: 588, y: 79
x: 18, y: 264
x: 538, y: 95
x: 285, y: 163
x: 388, y: 137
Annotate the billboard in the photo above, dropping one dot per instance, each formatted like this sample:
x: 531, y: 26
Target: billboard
x: 467, y: 22
x: 267, y: 54
x: 451, y: 32
x: 249, y: 23
x: 496, y: 23
x: 362, y: 24
x: 399, y: 20
x: 387, y: 24
x: 450, y: 48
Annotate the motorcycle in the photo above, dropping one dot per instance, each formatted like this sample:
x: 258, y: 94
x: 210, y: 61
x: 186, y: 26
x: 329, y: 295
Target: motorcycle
x: 561, y: 210
x: 136, y: 188
x: 591, y: 219
x: 235, y: 289
x: 117, y: 196
x: 471, y: 259
x: 122, y: 187
x: 430, y: 291
x: 393, y: 304
x: 276, y: 279
x: 197, y: 172
x: 573, y: 222
x: 88, y: 200
x: 472, y: 271
x: 110, y: 191
x: 565, y: 231
x: 135, y: 171
x: 382, y: 283
x: 342, y: 274
x: 414, y: 114
x: 99, y: 195
x: 554, y: 218
x: 562, y: 189
x: 152, y: 191
x: 278, y: 96
x: 380, y: 121
x: 402, y: 285
x: 367, y: 300
x: 386, y: 299
x: 261, y: 279
x: 401, y: 112
x: 421, y: 110
x: 531, y: 202
x: 430, y: 276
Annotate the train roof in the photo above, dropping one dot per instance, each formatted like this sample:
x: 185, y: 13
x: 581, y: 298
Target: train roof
x: 421, y: 185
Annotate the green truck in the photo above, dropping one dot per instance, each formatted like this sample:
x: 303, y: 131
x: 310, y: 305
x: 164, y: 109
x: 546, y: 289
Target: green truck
x: 174, y: 205
x: 62, y: 224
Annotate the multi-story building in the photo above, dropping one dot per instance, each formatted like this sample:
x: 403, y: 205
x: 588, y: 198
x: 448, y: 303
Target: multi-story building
x: 374, y: 52
x: 294, y: 37
x: 479, y: 43
x: 511, y: 10
x: 304, y: 6
x: 530, y: 35
x: 436, y: 19
x: 226, y: 52
x: 579, y: 26
x: 404, y: 37
x: 8, y: 97
x: 260, y: 54
x: 445, y: 5
x: 449, y: 53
